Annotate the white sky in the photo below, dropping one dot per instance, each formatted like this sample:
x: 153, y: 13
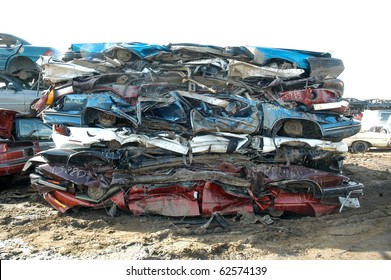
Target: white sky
x: 358, y: 32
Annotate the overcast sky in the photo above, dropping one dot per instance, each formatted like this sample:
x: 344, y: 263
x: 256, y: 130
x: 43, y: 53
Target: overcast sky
x: 358, y: 32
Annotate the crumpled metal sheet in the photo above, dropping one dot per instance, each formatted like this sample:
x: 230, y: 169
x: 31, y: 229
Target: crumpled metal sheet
x: 57, y: 71
x: 246, y: 70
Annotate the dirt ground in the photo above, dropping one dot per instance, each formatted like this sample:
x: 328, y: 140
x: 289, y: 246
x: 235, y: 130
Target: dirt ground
x: 31, y: 229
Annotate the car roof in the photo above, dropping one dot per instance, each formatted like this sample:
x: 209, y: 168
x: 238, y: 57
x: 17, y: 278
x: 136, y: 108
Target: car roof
x: 8, y: 39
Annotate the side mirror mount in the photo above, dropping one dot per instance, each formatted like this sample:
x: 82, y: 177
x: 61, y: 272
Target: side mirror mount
x: 11, y: 86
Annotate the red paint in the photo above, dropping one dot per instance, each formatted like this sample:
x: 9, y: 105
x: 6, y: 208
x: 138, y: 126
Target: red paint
x: 310, y: 96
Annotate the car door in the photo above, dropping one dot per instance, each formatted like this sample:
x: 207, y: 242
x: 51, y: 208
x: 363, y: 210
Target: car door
x: 11, y: 96
x: 15, y: 95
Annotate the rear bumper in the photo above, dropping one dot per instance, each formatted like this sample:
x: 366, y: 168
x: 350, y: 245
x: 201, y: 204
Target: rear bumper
x: 12, y: 167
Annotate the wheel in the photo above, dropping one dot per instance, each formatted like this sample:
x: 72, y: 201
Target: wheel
x: 293, y: 128
x: 33, y: 111
x: 124, y: 55
x: 106, y: 120
x: 24, y: 75
x: 123, y: 79
x: 96, y: 192
x: 360, y: 147
x: 275, y: 213
x: 9, y: 180
x: 383, y: 131
x: 114, y: 144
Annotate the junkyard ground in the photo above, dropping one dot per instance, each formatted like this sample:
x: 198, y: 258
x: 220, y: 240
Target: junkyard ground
x: 31, y: 229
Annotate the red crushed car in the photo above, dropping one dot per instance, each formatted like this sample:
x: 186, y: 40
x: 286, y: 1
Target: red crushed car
x: 13, y: 153
x: 87, y: 179
x: 316, y: 99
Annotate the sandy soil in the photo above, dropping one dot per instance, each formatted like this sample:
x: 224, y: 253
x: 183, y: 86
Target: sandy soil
x: 31, y: 229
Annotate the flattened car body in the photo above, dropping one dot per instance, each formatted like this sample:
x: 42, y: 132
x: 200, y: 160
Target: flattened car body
x: 237, y: 115
x: 314, y: 63
x: 226, y: 188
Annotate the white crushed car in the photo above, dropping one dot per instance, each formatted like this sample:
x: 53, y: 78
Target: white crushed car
x: 69, y: 137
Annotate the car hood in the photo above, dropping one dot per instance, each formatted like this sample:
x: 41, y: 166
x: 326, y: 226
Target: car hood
x: 6, y: 122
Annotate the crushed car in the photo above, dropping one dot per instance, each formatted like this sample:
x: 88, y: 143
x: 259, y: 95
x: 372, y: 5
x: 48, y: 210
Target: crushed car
x: 14, y: 151
x: 243, y: 61
x: 17, y: 95
x: 224, y: 184
x: 197, y: 113
x: 195, y: 130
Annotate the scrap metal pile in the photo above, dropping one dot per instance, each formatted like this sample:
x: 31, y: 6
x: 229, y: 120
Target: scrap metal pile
x: 192, y: 130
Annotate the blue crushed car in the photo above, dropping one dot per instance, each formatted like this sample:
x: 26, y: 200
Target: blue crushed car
x: 18, y: 57
x: 312, y: 63
x: 219, y: 113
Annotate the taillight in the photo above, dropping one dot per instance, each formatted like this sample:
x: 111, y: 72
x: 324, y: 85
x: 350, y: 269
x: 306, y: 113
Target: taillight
x: 62, y: 129
x: 50, y: 98
x: 49, y: 53
x: 3, y: 148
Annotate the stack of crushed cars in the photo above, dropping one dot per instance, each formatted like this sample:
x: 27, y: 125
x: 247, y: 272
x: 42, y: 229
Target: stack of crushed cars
x: 191, y: 130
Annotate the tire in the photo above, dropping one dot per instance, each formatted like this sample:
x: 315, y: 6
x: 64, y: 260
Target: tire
x: 293, y: 128
x: 106, y: 120
x: 8, y: 180
x: 96, y: 192
x: 360, y: 147
x: 33, y: 112
x: 275, y: 213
